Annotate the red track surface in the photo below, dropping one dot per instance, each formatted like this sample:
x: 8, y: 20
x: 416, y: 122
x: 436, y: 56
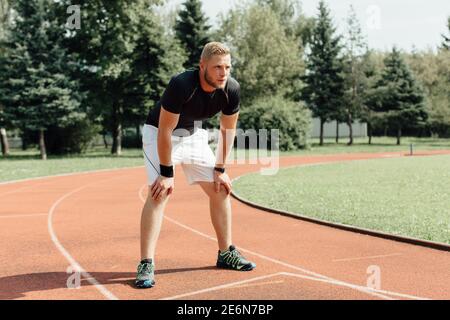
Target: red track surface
x: 91, y: 221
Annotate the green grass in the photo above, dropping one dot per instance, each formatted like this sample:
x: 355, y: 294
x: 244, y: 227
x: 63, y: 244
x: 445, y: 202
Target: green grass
x: 360, y: 145
x: 403, y: 196
x: 27, y: 164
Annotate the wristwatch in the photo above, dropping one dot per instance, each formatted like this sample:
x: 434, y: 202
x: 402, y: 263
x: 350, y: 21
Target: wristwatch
x: 221, y: 170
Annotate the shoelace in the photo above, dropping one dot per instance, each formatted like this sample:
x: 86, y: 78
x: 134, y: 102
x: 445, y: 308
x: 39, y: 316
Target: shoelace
x: 233, y: 258
x: 145, y: 268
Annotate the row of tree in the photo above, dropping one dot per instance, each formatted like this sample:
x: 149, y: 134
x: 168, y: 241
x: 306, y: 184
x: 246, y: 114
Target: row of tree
x: 57, y: 79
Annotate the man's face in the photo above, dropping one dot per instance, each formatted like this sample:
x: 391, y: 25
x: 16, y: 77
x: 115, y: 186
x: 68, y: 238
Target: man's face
x: 216, y: 70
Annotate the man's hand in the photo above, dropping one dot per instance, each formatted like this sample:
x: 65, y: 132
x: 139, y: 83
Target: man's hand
x: 222, y: 179
x: 161, y: 187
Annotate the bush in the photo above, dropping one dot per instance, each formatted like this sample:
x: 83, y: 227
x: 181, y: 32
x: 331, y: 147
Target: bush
x: 293, y: 119
x: 72, y: 139
x: 131, y: 140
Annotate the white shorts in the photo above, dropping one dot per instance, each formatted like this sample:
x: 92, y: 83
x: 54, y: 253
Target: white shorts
x: 192, y: 152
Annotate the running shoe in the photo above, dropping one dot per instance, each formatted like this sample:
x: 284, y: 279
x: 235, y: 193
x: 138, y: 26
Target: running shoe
x: 145, y: 274
x: 233, y: 259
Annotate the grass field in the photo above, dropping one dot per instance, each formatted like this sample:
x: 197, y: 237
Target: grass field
x: 27, y: 164
x: 404, y: 196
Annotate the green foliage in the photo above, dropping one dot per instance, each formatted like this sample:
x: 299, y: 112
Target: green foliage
x: 265, y: 60
x: 292, y: 119
x: 72, y: 139
x: 192, y: 31
x: 324, y: 80
x: 128, y: 59
x: 446, y: 40
x: 399, y: 95
x: 156, y: 57
x: 36, y: 87
x: 433, y: 72
x: 355, y: 70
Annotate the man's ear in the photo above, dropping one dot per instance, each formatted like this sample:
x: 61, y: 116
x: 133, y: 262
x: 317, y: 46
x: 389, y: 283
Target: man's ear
x: 201, y: 64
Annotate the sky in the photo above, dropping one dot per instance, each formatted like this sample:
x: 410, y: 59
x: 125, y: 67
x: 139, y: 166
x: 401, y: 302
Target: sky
x: 404, y: 23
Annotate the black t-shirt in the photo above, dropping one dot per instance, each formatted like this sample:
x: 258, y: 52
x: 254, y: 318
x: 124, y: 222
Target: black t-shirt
x: 185, y: 96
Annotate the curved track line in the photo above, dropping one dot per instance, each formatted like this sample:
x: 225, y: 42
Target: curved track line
x: 67, y: 175
x: 22, y: 215
x: 75, y: 266
x: 19, y: 190
x: 317, y: 275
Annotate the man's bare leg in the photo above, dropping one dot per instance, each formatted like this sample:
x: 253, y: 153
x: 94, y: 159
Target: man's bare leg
x: 220, y: 211
x: 151, y: 221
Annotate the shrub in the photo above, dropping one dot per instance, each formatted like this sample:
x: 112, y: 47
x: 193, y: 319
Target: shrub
x: 292, y: 119
x: 75, y: 138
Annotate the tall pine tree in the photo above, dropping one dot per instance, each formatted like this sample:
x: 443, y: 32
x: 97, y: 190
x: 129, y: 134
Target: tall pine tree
x: 354, y: 71
x: 399, y: 95
x: 156, y: 57
x: 36, y: 88
x: 192, y: 31
x: 324, y: 80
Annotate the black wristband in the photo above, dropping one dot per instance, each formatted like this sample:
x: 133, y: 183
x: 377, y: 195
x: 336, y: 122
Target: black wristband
x: 166, y: 171
x: 221, y: 170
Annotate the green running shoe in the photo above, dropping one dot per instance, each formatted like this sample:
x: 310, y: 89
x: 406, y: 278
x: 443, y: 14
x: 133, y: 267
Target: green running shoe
x: 145, y: 274
x: 233, y: 259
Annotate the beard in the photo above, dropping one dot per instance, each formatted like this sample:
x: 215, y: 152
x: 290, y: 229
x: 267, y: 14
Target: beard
x: 211, y: 82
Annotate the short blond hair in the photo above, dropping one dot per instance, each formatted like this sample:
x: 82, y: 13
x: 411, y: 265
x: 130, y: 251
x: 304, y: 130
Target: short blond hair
x: 214, y: 48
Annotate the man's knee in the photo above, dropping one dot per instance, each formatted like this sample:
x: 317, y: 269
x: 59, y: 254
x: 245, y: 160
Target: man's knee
x: 156, y: 202
x: 222, y: 195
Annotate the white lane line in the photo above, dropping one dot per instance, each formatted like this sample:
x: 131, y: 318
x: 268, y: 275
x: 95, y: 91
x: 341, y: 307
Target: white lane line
x: 369, y: 257
x: 224, y: 286
x: 258, y: 284
x: 68, y: 175
x: 359, y: 288
x: 345, y: 284
x: 22, y: 215
x: 19, y: 190
x: 75, y: 266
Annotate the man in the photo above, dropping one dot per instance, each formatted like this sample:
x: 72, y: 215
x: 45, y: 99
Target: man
x: 171, y: 136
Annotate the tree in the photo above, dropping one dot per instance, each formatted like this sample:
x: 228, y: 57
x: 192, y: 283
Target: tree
x: 296, y: 24
x: 36, y: 88
x: 399, y: 95
x: 266, y: 62
x: 4, y: 24
x: 324, y: 87
x: 356, y: 47
x: 446, y: 41
x: 372, y: 64
x: 127, y: 60
x: 192, y: 31
x: 432, y: 70
x: 156, y: 57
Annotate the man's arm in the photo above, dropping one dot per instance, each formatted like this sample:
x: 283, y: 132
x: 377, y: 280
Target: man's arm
x: 226, y: 137
x: 167, y: 123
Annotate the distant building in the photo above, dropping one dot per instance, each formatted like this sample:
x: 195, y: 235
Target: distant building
x: 329, y: 129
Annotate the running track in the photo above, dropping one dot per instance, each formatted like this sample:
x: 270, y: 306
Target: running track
x: 90, y: 222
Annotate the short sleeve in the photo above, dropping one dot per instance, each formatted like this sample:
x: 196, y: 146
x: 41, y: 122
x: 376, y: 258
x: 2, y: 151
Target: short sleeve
x: 234, y: 91
x: 173, y: 97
